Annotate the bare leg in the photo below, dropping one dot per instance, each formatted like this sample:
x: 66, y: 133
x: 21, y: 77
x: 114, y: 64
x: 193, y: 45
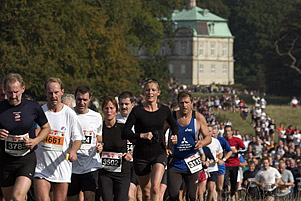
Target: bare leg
x: 158, y: 170
x: 19, y: 190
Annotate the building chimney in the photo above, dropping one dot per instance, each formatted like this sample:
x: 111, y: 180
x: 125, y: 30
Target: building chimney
x: 191, y: 4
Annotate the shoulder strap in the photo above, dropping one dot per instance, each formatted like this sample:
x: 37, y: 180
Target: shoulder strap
x: 193, y: 114
x: 174, y: 114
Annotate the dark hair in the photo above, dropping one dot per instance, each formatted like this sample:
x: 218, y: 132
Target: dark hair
x: 108, y: 99
x: 126, y: 94
x: 184, y: 94
x: 82, y: 89
x: 228, y: 126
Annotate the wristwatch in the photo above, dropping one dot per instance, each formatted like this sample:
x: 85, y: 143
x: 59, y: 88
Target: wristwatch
x: 224, y: 159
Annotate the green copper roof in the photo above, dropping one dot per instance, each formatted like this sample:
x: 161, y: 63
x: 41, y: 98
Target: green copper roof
x: 201, y: 20
x: 195, y: 13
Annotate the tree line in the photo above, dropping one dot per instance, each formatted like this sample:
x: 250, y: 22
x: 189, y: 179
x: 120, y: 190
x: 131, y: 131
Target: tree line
x: 93, y: 42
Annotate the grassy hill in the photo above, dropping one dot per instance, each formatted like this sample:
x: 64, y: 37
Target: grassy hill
x: 281, y: 114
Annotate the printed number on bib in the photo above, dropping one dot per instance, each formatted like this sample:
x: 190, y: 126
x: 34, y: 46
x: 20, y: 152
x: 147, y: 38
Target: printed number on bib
x: 54, y: 141
x: 87, y: 142
x: 15, y: 145
x: 194, y: 163
x: 112, y: 161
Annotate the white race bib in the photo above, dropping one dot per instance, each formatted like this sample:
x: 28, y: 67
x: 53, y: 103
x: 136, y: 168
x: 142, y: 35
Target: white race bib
x: 112, y: 161
x: 87, y: 142
x: 194, y: 163
x: 15, y: 145
x: 54, y: 141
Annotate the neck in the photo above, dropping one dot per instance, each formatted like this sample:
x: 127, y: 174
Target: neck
x: 110, y: 122
x: 80, y: 112
x: 55, y: 108
x: 151, y: 106
x: 187, y: 115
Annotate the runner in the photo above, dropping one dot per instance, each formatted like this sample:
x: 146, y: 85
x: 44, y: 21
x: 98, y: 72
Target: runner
x: 62, y: 143
x: 227, y: 152
x: 114, y: 177
x: 186, y: 161
x: 84, y: 169
x: 232, y: 163
x: 150, y: 152
x: 268, y: 178
x: 217, y: 152
x: 17, y: 138
x: 126, y: 103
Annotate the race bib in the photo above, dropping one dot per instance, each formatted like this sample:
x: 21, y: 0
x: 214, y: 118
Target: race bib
x: 194, y: 163
x: 54, y: 141
x: 252, y: 182
x: 270, y: 187
x: 112, y: 161
x: 87, y: 142
x: 15, y: 145
x: 130, y: 148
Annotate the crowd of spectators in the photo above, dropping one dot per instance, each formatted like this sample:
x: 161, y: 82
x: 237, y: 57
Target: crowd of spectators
x: 279, y: 144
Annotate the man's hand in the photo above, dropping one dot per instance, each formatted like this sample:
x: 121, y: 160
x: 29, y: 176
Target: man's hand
x: 3, y: 134
x: 147, y: 136
x: 220, y: 162
x: 99, y: 147
x: 30, y: 143
x: 72, y: 156
x: 198, y: 145
x: 174, y: 139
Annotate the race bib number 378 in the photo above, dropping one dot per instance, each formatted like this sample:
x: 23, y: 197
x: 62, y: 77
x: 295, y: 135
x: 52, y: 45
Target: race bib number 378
x: 15, y: 145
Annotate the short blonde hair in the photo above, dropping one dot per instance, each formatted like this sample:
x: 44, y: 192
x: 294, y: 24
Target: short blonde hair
x: 54, y: 79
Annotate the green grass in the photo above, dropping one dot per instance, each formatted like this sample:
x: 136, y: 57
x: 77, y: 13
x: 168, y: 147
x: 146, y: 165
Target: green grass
x: 271, y: 100
x: 285, y: 114
x: 281, y: 114
x: 244, y: 126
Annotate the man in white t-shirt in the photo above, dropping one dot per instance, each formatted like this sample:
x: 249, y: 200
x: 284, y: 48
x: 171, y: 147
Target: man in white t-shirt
x: 268, y: 178
x: 217, y: 152
x: 59, y: 149
x: 84, y: 169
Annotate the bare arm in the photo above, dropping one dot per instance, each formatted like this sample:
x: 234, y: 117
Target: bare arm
x: 72, y: 152
x: 45, y: 130
x: 203, y: 130
x: 99, y: 146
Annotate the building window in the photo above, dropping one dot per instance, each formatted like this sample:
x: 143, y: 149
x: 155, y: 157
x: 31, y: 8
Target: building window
x: 225, y: 69
x: 201, y: 50
x: 201, y: 68
x: 211, y: 28
x: 183, y: 48
x: 224, y: 51
x: 163, y: 51
x: 183, y: 69
x: 212, y: 69
x: 170, y: 67
x: 212, y: 49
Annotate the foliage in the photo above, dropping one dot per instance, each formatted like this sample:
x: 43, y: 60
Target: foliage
x: 83, y: 42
